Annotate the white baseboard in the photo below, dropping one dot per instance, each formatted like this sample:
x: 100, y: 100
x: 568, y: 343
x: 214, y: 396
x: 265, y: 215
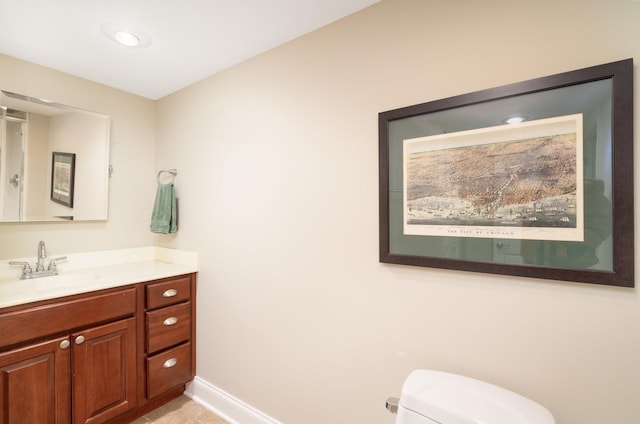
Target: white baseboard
x: 224, y: 405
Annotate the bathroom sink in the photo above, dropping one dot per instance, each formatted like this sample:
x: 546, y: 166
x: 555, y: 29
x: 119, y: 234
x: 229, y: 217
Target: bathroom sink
x: 52, y: 282
x: 63, y: 284
x: 64, y: 281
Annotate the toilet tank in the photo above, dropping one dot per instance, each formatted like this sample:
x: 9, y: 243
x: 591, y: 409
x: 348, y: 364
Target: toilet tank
x: 439, y: 397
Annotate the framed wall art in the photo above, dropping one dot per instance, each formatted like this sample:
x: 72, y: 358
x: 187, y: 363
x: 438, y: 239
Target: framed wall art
x: 530, y: 179
x: 63, y: 168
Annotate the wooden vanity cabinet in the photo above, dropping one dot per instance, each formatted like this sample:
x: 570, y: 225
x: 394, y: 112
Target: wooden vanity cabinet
x: 99, y: 363
x: 94, y: 358
x: 104, y: 372
x: 170, y: 330
x: 34, y: 384
x: 58, y: 360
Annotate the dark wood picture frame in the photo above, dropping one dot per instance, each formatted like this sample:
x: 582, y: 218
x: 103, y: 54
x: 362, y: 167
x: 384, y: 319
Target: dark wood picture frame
x: 607, y: 159
x: 63, y: 169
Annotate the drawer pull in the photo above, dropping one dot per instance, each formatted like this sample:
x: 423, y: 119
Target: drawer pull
x: 65, y: 344
x: 170, y: 293
x: 170, y: 321
x: 170, y: 363
x: 79, y: 340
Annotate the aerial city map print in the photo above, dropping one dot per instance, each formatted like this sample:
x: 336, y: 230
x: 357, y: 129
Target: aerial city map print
x: 522, y: 181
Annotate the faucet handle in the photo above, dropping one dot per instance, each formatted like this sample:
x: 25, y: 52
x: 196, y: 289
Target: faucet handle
x: 25, y: 264
x: 54, y: 261
x: 26, y: 268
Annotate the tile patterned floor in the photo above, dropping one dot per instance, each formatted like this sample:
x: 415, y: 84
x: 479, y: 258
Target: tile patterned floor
x: 180, y: 411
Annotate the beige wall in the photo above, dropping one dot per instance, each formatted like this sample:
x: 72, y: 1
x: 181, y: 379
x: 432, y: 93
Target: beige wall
x: 83, y: 135
x: 278, y: 180
x: 132, y: 184
x: 277, y: 162
x: 37, y: 168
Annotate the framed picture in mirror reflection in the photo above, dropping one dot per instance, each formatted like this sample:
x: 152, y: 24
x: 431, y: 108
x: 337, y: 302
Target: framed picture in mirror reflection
x: 63, y: 178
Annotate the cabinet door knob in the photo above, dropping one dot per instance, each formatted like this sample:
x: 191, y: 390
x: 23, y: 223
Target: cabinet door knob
x: 79, y: 339
x: 65, y: 344
x: 170, y: 321
x: 170, y: 363
x: 170, y: 293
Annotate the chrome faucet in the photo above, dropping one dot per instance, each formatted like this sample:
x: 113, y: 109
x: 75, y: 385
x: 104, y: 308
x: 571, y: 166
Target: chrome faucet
x: 42, y: 256
x: 40, y: 270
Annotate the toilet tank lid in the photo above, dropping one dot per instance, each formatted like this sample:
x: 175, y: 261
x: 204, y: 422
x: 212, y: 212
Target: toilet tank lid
x: 456, y: 399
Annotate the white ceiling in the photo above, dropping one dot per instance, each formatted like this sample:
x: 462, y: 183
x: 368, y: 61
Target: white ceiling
x: 188, y: 39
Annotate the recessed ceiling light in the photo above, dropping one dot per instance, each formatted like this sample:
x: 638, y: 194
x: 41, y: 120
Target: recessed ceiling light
x: 515, y: 119
x: 126, y: 38
x: 126, y: 35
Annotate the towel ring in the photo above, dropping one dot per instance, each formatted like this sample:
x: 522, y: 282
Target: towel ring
x: 173, y: 173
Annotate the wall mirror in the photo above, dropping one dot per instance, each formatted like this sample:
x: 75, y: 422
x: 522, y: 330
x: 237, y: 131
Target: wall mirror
x: 36, y: 137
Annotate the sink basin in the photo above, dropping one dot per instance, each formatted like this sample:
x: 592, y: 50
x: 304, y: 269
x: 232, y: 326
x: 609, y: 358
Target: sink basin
x: 34, y: 289
x: 52, y: 282
x: 63, y: 281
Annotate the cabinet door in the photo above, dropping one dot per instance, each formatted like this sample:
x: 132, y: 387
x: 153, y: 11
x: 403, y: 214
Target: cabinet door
x: 104, y: 372
x: 34, y: 384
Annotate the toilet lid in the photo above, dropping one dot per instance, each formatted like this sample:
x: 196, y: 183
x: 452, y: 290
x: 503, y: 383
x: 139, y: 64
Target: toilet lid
x: 454, y: 399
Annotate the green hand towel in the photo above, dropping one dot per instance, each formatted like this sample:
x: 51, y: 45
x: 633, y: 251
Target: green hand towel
x: 163, y: 217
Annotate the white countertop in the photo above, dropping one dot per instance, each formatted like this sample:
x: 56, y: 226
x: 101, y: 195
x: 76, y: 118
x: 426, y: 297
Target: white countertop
x: 86, y: 272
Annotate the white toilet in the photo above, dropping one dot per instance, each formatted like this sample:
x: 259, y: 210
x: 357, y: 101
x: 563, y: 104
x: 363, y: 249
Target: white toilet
x: 434, y: 397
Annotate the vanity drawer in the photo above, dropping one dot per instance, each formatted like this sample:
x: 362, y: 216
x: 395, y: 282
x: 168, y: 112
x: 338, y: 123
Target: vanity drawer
x: 168, y: 369
x: 168, y: 326
x: 58, y: 316
x: 168, y: 292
